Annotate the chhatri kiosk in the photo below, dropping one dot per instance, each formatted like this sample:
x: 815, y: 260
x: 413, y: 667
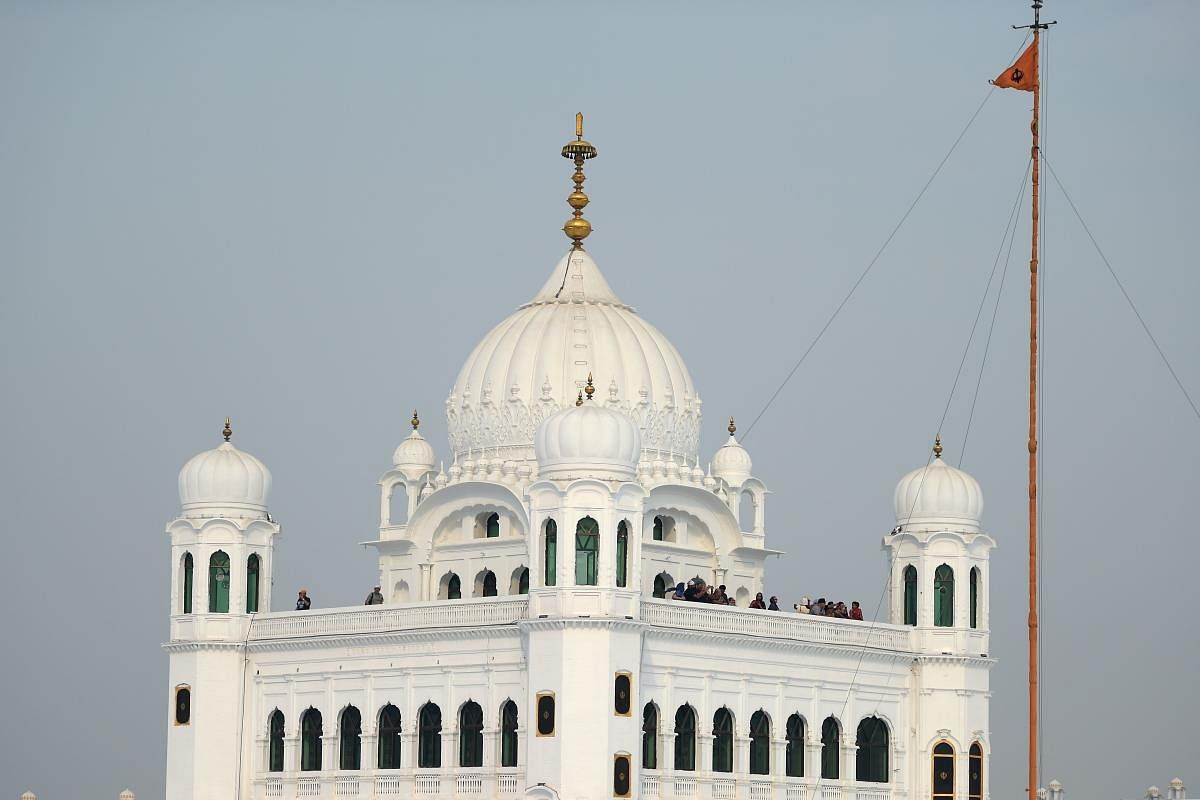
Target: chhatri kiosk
x: 527, y: 647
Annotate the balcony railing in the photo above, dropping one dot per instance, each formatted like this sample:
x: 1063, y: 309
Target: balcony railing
x: 383, y: 619
x: 775, y: 625
x: 476, y: 784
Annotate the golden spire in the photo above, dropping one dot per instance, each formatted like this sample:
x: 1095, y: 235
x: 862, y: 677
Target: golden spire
x: 577, y: 228
x: 579, y: 400
x: 732, y: 427
x: 416, y: 421
x: 228, y: 432
x: 589, y: 390
x: 937, y: 446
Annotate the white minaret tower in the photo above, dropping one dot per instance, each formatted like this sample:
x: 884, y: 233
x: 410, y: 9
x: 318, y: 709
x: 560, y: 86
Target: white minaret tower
x: 583, y: 641
x: 939, y: 585
x: 221, y: 560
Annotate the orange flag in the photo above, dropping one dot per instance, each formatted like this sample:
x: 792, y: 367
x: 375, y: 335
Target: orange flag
x: 1023, y: 74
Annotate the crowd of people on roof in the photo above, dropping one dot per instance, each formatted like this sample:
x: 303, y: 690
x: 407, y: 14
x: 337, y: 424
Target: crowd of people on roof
x: 697, y: 591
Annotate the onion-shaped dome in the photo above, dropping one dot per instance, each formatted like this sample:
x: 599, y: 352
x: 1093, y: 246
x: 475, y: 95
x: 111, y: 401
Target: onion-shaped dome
x: 414, y: 456
x: 938, y: 495
x: 588, y: 441
x: 732, y: 462
x: 224, y: 482
x: 528, y: 367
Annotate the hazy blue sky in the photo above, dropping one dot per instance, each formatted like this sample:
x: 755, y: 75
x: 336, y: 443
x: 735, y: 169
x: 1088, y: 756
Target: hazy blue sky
x: 304, y: 216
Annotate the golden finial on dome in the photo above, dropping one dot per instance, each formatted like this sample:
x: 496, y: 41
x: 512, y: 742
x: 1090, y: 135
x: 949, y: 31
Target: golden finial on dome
x: 589, y: 389
x: 228, y: 432
x: 732, y: 427
x: 416, y: 421
x: 577, y: 228
x: 937, y: 446
x: 579, y: 400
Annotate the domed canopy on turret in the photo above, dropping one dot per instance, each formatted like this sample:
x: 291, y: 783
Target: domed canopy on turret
x: 224, y: 481
x: 414, y: 455
x: 588, y: 440
x: 732, y: 461
x: 938, y: 495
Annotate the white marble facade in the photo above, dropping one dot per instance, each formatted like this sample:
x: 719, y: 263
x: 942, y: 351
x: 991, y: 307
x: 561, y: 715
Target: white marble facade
x: 520, y: 668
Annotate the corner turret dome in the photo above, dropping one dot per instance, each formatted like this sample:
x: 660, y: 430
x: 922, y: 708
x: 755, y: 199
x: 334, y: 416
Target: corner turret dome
x: 414, y: 456
x: 588, y: 441
x: 938, y: 496
x: 732, y: 461
x: 224, y: 481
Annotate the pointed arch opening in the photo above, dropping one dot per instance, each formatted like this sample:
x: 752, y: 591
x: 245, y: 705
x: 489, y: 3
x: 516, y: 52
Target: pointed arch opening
x: 794, y: 754
x: 310, y: 740
x: 492, y: 526
x: 429, y: 737
x: 550, y: 553
x: 657, y: 531
x: 685, y: 739
x: 188, y: 569
x: 622, y: 553
x: 650, y: 736
x: 253, y: 568
x: 218, y: 583
x: 450, y: 587
x: 722, y: 752
x: 587, y: 552
x: 275, y: 728
x: 746, y: 511
x: 760, y: 743
x: 975, y: 772
x: 398, y: 504
x: 871, y: 758
x: 943, y: 771
x: 518, y: 582
x: 943, y: 596
x: 485, y: 584
x: 508, y: 734
x: 831, y: 734
x: 388, y: 756
x: 910, y: 595
x: 470, y: 735
x: 350, y: 739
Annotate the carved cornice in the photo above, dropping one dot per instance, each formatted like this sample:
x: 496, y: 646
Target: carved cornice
x: 358, y: 641
x: 202, y: 646
x: 789, y: 645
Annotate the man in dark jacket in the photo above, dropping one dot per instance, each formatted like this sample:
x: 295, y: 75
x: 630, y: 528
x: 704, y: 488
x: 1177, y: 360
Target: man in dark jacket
x: 375, y: 598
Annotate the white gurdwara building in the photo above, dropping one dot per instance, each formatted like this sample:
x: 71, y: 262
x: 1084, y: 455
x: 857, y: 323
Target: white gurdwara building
x: 525, y: 649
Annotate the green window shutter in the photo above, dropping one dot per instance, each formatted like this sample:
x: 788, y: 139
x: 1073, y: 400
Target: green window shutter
x: 218, y: 583
x: 187, y: 583
x: 252, y: 570
x: 275, y: 760
x: 551, y: 552
x: 470, y: 735
x: 429, y: 737
x: 974, y: 597
x: 794, y: 765
x: 871, y: 754
x: 389, y: 737
x: 830, y: 734
x: 508, y: 735
x: 350, y: 736
x: 943, y: 596
x: 650, y: 737
x: 587, y: 550
x: 685, y: 739
x: 910, y: 595
x: 722, y: 756
x: 760, y: 744
x: 622, y: 553
x: 493, y: 526
x: 310, y: 741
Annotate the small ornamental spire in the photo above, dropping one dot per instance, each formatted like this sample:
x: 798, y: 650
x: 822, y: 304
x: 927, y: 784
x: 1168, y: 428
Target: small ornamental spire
x: 577, y: 228
x: 732, y: 427
x: 579, y: 400
x: 589, y: 389
x: 228, y: 432
x: 416, y: 421
x: 937, y: 446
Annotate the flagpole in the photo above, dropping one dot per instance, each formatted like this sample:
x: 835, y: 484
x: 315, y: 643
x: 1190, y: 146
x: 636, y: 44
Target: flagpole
x: 1033, y: 439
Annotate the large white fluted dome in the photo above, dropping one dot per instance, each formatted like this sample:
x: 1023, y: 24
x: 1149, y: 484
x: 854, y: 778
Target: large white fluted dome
x: 938, y: 495
x: 224, y: 482
x: 534, y: 363
x: 588, y: 441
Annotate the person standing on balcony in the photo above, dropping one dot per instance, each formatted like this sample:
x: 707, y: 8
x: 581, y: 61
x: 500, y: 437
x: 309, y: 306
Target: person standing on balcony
x: 375, y: 598
x: 303, y: 601
x: 774, y: 605
x: 757, y: 602
x: 856, y: 611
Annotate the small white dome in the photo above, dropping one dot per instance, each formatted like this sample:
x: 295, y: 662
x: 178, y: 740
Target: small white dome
x: 732, y: 461
x: 588, y: 441
x: 414, y: 456
x: 224, y: 482
x: 938, y: 495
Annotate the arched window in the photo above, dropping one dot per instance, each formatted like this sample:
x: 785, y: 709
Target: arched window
x: 660, y: 586
x: 622, y: 552
x: 523, y: 581
x: 183, y: 705
x: 746, y: 512
x: 587, y: 550
x: 722, y: 753
x: 872, y: 755
x: 943, y: 596
x: 218, y: 583
x: 470, y: 735
x: 910, y: 595
x: 974, y: 597
x: 310, y: 740
x: 658, y: 529
x: 187, y: 583
x: 275, y: 741
x: 760, y: 743
x: 794, y: 757
x: 453, y: 587
x: 943, y: 771
x: 493, y: 526
x: 489, y: 584
x: 685, y: 738
x: 975, y: 772
x: 389, y: 737
x: 429, y: 737
x: 551, y: 552
x: 650, y: 737
x: 350, y: 739
x: 253, y: 565
x: 508, y: 734
x: 398, y: 504
x: 830, y: 747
